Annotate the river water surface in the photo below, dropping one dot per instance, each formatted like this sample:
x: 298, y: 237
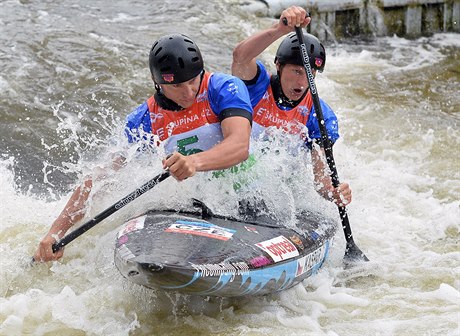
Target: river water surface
x: 71, y: 72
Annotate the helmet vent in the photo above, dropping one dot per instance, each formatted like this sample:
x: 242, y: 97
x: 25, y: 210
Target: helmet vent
x: 158, y: 51
x: 181, y: 62
x: 293, y: 37
x: 195, y: 59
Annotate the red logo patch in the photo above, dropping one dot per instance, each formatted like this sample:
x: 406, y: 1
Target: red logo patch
x: 318, y: 62
x: 168, y: 77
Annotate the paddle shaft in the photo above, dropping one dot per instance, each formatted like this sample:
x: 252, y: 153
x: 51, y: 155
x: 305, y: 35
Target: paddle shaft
x: 109, y: 211
x: 326, y: 143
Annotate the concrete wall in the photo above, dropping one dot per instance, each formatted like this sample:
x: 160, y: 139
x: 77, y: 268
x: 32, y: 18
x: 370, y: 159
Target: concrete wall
x: 342, y: 19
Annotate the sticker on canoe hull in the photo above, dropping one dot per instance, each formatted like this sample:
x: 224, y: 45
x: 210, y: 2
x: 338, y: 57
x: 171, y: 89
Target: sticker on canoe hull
x: 309, y: 261
x: 260, y: 261
x: 279, y: 248
x: 232, y: 268
x: 201, y: 229
x: 296, y: 240
x: 132, y: 225
x: 123, y: 240
x: 251, y: 229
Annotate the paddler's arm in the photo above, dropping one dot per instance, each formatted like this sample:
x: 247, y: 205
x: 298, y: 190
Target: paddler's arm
x: 341, y: 195
x: 233, y: 149
x: 245, y: 53
x: 73, y: 212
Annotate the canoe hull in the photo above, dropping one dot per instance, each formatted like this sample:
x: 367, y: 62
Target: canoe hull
x: 220, y: 256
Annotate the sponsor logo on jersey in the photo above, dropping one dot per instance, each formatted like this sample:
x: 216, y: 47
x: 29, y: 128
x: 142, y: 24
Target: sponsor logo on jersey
x: 232, y: 88
x: 156, y: 116
x: 161, y: 132
x: 279, y: 248
x: 261, y: 111
x: 275, y: 119
x: 201, y: 229
x: 202, y: 96
x: 303, y: 110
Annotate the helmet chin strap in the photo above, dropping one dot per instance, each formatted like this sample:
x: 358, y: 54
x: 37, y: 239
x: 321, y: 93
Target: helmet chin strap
x: 280, y: 98
x: 164, y: 102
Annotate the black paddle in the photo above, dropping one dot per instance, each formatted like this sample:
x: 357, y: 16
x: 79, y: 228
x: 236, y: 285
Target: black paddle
x: 107, y: 212
x: 352, y: 251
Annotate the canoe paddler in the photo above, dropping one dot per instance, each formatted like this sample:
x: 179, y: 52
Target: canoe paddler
x: 202, y: 119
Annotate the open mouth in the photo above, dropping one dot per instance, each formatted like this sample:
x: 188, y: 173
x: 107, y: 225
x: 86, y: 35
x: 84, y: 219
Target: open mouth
x: 296, y: 93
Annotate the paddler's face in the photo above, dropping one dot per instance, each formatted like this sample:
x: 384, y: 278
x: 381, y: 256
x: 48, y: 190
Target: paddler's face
x: 184, y: 93
x: 293, y: 79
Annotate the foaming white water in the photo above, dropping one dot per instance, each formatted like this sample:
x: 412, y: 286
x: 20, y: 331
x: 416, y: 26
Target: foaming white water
x: 399, y: 151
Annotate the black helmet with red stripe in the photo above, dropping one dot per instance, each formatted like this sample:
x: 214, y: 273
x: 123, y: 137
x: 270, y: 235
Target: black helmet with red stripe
x: 175, y: 59
x: 289, y: 51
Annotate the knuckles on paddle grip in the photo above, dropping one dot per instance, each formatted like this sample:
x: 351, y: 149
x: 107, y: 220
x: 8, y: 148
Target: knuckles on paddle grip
x: 307, y: 14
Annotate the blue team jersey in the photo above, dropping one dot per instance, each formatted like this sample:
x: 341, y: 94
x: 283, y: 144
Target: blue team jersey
x: 268, y: 113
x: 197, y: 127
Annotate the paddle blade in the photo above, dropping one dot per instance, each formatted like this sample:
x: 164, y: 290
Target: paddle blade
x: 353, y: 254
